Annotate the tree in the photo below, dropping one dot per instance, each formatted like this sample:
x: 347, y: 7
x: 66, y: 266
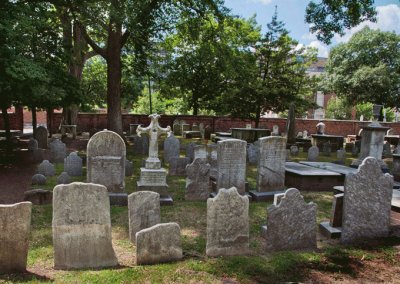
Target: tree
x: 366, y: 69
x: 338, y: 108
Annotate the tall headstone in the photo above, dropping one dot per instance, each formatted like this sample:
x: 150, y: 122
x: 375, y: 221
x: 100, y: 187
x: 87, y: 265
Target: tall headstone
x: 202, y: 130
x: 41, y: 135
x: 232, y: 164
x: 341, y: 156
x: 227, y: 223
x: 46, y: 168
x: 207, y: 132
x: 171, y: 148
x: 198, y: 180
x: 291, y: 125
x: 313, y: 153
x: 15, y: 225
x: 58, y: 151
x: 82, y: 227
x: 291, y: 223
x: 367, y: 203
x: 271, y: 165
x: 73, y: 164
x: 106, y: 154
x: 144, y: 211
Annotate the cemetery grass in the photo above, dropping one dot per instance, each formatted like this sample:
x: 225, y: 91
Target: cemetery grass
x: 373, y: 262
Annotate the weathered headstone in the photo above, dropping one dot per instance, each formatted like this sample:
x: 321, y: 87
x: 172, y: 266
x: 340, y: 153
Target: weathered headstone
x: 144, y: 211
x: 33, y: 144
x: 82, y: 227
x: 58, y: 151
x: 73, y: 165
x: 227, y: 223
x: 177, y: 166
x: 200, y: 152
x: 176, y: 127
x: 39, y: 179
x: 213, y: 160
x: 198, y: 180
x: 294, y: 150
x: 63, y: 178
x: 367, y: 203
x: 171, y: 148
x: 305, y: 134
x: 313, y: 153
x: 190, y: 151
x: 46, y: 168
x: 291, y: 224
x: 253, y: 153
x: 207, y: 132
x: 326, y: 149
x: 38, y: 196
x: 275, y: 130
x: 271, y: 165
x: 41, y: 135
x: 396, y: 167
x: 158, y: 244
x: 341, y: 156
x: 106, y: 154
x: 386, y: 151
x: 15, y: 225
x: 140, y: 145
x: 202, y: 130
x: 128, y: 168
x: 232, y: 164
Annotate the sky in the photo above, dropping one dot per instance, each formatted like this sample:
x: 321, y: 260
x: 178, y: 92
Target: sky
x: 292, y: 12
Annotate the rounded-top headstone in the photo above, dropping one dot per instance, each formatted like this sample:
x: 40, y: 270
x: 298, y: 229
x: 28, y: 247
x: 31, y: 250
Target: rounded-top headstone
x: 64, y: 178
x: 39, y: 179
x: 106, y: 143
x: 58, y: 151
x: 46, y: 168
x: 73, y: 164
x: 313, y: 153
x: 33, y: 144
x: 41, y: 135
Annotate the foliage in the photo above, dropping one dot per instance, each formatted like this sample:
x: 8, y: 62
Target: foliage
x: 365, y: 109
x: 338, y: 108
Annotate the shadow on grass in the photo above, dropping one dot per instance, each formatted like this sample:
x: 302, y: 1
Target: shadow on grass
x: 26, y: 276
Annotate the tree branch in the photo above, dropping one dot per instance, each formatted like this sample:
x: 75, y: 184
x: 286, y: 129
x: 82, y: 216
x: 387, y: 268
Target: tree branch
x: 95, y: 46
x: 124, y: 38
x: 89, y: 55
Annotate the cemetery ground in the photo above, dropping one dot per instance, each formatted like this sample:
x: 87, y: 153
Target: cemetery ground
x: 375, y: 261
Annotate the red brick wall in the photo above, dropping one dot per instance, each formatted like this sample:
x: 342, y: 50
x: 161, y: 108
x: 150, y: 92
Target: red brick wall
x: 16, y: 120
x: 87, y: 121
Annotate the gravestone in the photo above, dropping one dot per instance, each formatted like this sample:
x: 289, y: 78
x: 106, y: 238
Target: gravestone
x: 386, y: 151
x: 341, y: 156
x: 231, y: 155
x: 367, y: 203
x: 294, y: 151
x: 40, y: 154
x: 275, y: 130
x: 197, y: 180
x: 177, y: 166
x: 299, y: 134
x: 46, y: 168
x: 171, y: 148
x: 396, y: 167
x: 190, y: 151
x: 39, y: 179
x: 33, y: 144
x: 128, y: 168
x: 333, y: 227
x: 207, y: 132
x: 326, y: 149
x: 144, y: 211
x: 355, y: 150
x: 176, y: 128
x: 200, y: 152
x: 291, y: 224
x: 73, y: 165
x: 227, y: 224
x: 58, y: 151
x: 41, y: 134
x: 202, y: 130
x: 313, y: 153
x: 63, y: 178
x: 253, y: 153
x: 82, y: 227
x: 140, y: 145
x: 15, y: 226
x: 305, y: 134
x: 213, y: 160
x: 271, y: 165
x: 158, y: 244
x: 106, y: 154
x: 38, y: 196
x: 185, y: 127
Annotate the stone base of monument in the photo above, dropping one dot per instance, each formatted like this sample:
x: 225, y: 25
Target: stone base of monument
x: 328, y: 231
x: 119, y: 199
x: 264, y: 196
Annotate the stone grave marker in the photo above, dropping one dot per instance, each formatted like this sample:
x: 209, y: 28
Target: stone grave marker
x: 341, y: 156
x: 46, y: 168
x: 200, y: 152
x: 33, y: 144
x: 213, y: 160
x: 158, y: 244
x: 41, y: 134
x: 332, y: 228
x: 202, y: 130
x: 195, y: 127
x: 313, y: 153
x: 176, y: 128
x: 171, y: 148
x: 291, y: 224
x: 190, y: 151
x: 144, y: 211
x: 63, y: 178
x: 58, y: 151
x: 294, y: 150
x: 326, y: 149
x: 386, y: 151
x: 82, y: 227
x: 38, y: 196
x: 227, y: 223
x: 73, y: 165
x: 106, y: 154
x: 39, y: 179
x: 275, y: 130
x: 177, y: 166
x: 207, y: 132
x: 198, y: 180
x: 15, y: 226
x: 128, y: 168
x: 253, y: 153
x: 367, y: 203
x: 396, y: 167
x: 232, y: 164
x: 140, y: 145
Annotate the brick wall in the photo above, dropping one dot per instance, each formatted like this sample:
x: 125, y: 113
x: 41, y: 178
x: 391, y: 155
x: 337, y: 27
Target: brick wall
x: 87, y: 121
x: 16, y: 119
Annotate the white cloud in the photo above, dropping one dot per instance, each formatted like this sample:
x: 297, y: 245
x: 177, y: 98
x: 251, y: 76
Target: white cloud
x: 263, y: 2
x: 323, y: 50
x: 388, y: 19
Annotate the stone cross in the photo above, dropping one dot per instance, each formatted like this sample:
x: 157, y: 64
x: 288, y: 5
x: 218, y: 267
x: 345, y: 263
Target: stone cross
x: 154, y: 130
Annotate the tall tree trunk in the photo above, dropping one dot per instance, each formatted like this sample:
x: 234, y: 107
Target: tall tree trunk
x: 6, y: 121
x: 50, y: 121
x: 34, y: 119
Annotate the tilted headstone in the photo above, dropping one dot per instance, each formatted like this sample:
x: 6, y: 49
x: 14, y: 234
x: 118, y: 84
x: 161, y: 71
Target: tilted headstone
x: 158, y: 244
x: 337, y: 211
x: 82, y: 227
x: 253, y: 153
x: 227, y: 223
x: 232, y: 164
x: 41, y: 135
x: 198, y: 180
x: 63, y: 178
x: 39, y: 179
x: 46, y: 168
x: 171, y: 148
x: 291, y: 224
x: 177, y: 166
x: 294, y: 150
x: 200, y: 152
x: 73, y: 165
x: 33, y: 144
x: 58, y: 151
x: 141, y: 145
x: 144, y: 211
x: 190, y: 151
x: 313, y: 153
x: 15, y: 226
x: 128, y: 168
x: 106, y: 154
x: 367, y: 203
x: 271, y: 165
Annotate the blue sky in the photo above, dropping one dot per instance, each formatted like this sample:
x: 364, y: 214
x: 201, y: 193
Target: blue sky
x: 292, y: 13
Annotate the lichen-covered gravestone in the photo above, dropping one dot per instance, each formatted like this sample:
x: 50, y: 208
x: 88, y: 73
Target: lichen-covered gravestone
x: 197, y: 180
x: 58, y: 151
x: 291, y: 223
x: 106, y: 160
x: 171, y: 148
x: 313, y: 153
x: 41, y: 135
x: 144, y: 211
x: 158, y: 244
x: 63, y: 178
x: 367, y: 203
x: 82, y: 227
x: 227, y: 223
x: 46, y: 168
x: 15, y: 224
x: 73, y: 165
x: 232, y: 164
